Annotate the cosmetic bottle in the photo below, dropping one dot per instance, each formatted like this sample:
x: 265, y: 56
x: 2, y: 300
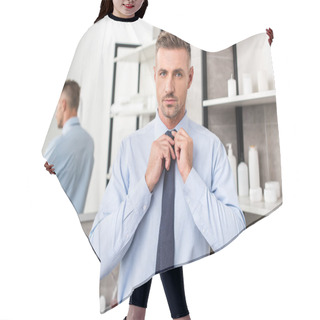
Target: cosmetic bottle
x: 233, y: 162
x: 254, y: 176
x: 275, y: 185
x: 232, y: 87
x: 255, y: 194
x: 270, y: 195
x: 243, y: 180
x: 247, y: 83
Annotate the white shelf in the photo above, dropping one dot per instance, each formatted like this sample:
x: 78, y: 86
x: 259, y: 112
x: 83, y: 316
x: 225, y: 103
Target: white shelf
x: 261, y: 208
x: 133, y: 113
x: 139, y: 54
x: 255, y: 98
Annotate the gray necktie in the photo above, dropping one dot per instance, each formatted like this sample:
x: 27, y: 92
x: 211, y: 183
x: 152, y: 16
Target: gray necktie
x: 165, y: 253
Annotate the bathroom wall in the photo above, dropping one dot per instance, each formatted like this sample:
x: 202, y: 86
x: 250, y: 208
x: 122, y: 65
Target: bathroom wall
x: 194, y: 96
x: 127, y: 77
x: 260, y: 124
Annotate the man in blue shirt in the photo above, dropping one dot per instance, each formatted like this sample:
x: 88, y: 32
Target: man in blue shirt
x: 70, y: 155
x: 207, y: 216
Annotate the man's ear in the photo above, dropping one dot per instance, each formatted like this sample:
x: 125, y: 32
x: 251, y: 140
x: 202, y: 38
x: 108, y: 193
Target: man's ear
x: 154, y: 73
x: 64, y: 104
x: 191, y: 71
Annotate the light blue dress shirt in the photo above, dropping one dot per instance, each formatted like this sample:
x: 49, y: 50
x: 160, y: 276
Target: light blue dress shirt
x: 207, y: 212
x: 72, y: 156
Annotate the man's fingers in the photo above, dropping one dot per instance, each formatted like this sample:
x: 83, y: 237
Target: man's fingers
x: 167, y: 161
x: 49, y: 168
x: 183, y: 133
x: 180, y: 143
x: 178, y: 149
x: 170, y: 140
x: 168, y: 148
x: 173, y: 156
x: 168, y: 154
x: 164, y: 137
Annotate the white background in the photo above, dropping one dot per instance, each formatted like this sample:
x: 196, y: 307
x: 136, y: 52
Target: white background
x: 47, y: 268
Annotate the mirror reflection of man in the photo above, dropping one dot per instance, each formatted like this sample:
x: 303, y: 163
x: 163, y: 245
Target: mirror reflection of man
x: 70, y: 155
x: 142, y: 214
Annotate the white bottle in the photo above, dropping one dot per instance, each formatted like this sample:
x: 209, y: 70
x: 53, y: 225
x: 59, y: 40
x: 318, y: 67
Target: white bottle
x: 247, y: 83
x: 270, y: 195
x: 243, y: 180
x: 254, y: 176
x: 255, y: 194
x: 232, y: 87
x: 275, y: 185
x: 233, y: 162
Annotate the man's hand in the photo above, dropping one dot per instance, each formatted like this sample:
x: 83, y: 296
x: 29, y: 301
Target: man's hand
x: 160, y: 157
x: 183, y: 145
x: 49, y: 168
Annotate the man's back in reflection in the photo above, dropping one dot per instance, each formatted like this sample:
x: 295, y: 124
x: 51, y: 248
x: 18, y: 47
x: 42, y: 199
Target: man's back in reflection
x: 70, y: 155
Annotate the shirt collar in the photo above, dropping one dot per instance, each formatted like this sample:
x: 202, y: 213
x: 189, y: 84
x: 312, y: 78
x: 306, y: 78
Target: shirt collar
x: 160, y: 128
x: 74, y: 121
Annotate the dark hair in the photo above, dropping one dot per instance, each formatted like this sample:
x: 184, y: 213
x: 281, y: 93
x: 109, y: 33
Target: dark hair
x: 169, y: 41
x: 72, y: 90
x: 106, y: 7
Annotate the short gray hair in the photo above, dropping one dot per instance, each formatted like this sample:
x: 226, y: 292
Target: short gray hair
x: 72, y: 90
x: 169, y: 41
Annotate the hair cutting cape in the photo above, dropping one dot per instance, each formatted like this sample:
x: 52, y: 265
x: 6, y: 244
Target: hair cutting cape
x: 113, y: 64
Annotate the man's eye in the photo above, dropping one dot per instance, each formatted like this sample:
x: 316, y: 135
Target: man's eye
x: 162, y: 73
x: 179, y: 74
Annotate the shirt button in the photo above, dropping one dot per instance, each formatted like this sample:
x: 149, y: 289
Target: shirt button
x: 144, y: 207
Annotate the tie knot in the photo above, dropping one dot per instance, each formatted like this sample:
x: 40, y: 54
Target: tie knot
x: 169, y: 133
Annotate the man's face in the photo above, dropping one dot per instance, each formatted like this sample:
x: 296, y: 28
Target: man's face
x: 173, y: 77
x: 60, y: 110
x: 126, y: 8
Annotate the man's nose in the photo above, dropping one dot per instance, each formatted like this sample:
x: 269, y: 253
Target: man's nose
x: 169, y: 85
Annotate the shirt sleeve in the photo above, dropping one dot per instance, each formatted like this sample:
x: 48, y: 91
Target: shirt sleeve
x: 119, y: 215
x: 215, y: 209
x: 50, y: 150
x: 57, y: 154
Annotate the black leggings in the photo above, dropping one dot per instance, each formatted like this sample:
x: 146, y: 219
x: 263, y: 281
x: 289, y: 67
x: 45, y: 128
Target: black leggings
x: 173, y: 285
